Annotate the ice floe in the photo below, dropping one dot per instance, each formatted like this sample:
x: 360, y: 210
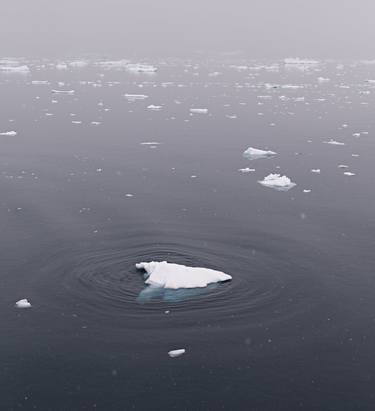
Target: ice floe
x: 141, y: 68
x: 15, y: 69
x: 9, y: 133
x: 175, y: 276
x: 24, y: 303
x: 255, y: 153
x: 334, y: 142
x: 246, y: 170
x: 278, y: 182
x: 199, y: 110
x: 134, y: 97
x: 70, y: 92
x: 176, y: 353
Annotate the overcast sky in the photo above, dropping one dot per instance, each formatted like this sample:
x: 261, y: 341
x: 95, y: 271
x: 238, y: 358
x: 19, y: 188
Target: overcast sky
x: 262, y: 28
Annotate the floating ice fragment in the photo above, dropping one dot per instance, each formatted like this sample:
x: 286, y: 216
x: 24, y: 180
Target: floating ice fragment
x: 315, y: 170
x: 323, y: 79
x: 300, y: 61
x: 255, y: 153
x: 176, y: 353
x: 24, y: 303
x: 78, y: 63
x: 334, y: 142
x: 246, y: 170
x: 154, y: 108
x: 348, y: 173
x: 9, y: 133
x: 15, y: 69
x: 134, y: 97
x: 63, y: 91
x: 199, y: 110
x: 281, y: 183
x: 342, y: 166
x: 175, y: 276
x: 150, y: 143
x: 307, y: 191
x: 38, y: 82
x: 141, y: 68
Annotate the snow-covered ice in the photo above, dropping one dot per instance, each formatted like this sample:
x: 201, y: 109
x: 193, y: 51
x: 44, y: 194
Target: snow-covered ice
x: 334, y: 142
x: 255, y: 153
x: 175, y: 276
x: 176, y: 353
x: 9, y: 133
x: 24, y: 303
x: 199, y: 110
x: 278, y: 182
x: 63, y: 91
x: 15, y: 69
x: 246, y: 170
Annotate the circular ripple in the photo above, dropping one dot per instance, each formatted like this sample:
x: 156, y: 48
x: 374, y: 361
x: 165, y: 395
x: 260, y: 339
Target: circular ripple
x: 104, y: 283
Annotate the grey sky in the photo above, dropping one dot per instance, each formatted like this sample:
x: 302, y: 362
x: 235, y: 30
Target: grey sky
x: 262, y: 28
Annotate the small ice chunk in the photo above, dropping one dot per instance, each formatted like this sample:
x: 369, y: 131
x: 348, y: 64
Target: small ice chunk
x: 278, y: 182
x: 134, y: 97
x: 348, y: 173
x: 15, y: 69
x: 175, y: 276
x: 342, y: 166
x: 315, y: 170
x: 334, y: 142
x: 9, y: 133
x: 154, y: 108
x: 199, y: 110
x: 176, y: 353
x: 63, y: 91
x: 150, y: 143
x: 255, y: 153
x: 246, y: 170
x: 141, y: 68
x: 307, y: 191
x: 24, y: 303
x: 38, y: 82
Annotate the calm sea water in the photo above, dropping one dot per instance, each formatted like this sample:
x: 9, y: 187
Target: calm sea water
x: 81, y: 203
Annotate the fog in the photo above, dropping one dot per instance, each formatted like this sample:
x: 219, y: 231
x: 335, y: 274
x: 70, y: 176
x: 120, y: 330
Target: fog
x: 260, y: 28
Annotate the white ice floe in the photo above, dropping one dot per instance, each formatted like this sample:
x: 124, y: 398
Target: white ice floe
x: 278, y: 182
x: 63, y: 91
x: 154, y: 108
x: 334, y: 142
x: 300, y: 61
x: 315, y: 170
x: 39, y: 82
x: 342, y: 166
x: 113, y: 64
x: 9, y: 133
x: 307, y: 191
x: 134, y: 97
x: 323, y: 79
x: 78, y: 63
x: 199, y: 110
x: 175, y: 276
x: 255, y: 153
x: 176, y: 353
x: 141, y: 68
x: 348, y: 173
x: 150, y: 143
x: 15, y: 69
x: 246, y: 170
x: 24, y: 303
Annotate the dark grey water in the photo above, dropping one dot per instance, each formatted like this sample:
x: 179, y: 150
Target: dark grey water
x: 294, y: 329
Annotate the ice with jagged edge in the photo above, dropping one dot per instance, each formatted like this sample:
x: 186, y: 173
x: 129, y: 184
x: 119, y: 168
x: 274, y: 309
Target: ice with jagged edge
x: 15, y: 69
x: 176, y: 276
x: 141, y: 68
x: 278, y: 182
x: 255, y: 153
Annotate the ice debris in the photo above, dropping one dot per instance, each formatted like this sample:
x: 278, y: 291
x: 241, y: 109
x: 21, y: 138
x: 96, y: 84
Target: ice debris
x: 199, y: 110
x: 255, y: 153
x: 278, y: 182
x: 9, y: 133
x: 175, y: 276
x: 24, y: 303
x: 176, y: 353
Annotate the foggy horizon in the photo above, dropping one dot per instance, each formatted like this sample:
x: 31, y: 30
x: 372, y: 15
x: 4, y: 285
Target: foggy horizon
x: 267, y: 29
